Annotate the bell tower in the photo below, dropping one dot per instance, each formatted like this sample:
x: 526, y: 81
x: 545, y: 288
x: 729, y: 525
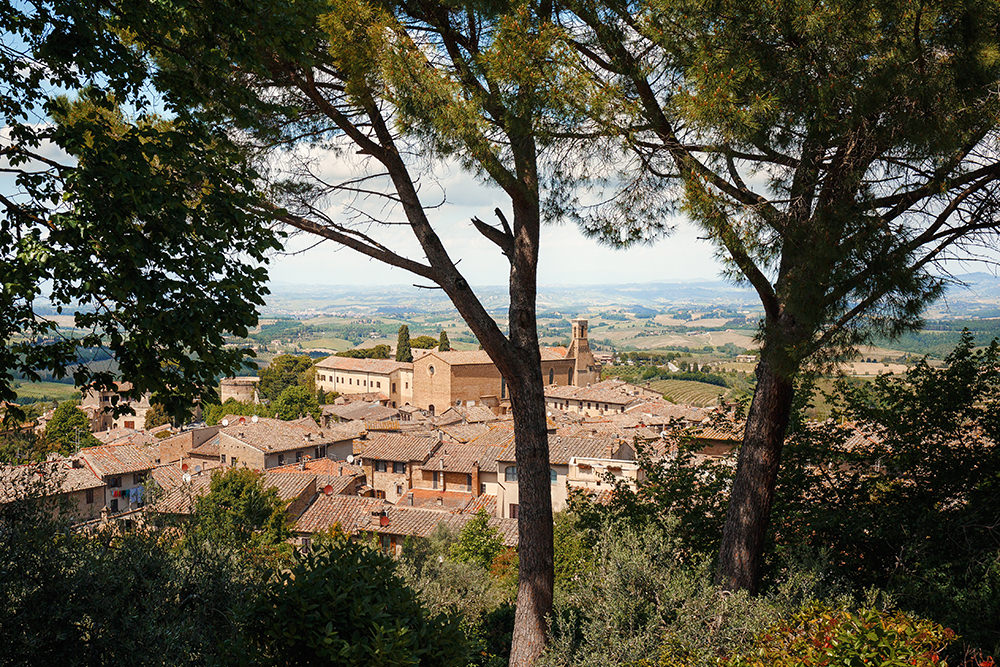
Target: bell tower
x: 586, y: 369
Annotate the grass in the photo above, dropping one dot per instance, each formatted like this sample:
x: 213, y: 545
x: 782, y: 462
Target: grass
x: 329, y: 343
x: 690, y: 392
x: 47, y: 391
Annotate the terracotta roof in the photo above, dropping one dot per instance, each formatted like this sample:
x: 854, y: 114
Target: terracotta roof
x: 45, y: 479
x: 320, y: 467
x: 106, y: 460
x: 362, y: 411
x: 170, y: 475
x: 476, y: 357
x: 345, y: 511
x: 464, y: 432
x: 181, y: 499
x: 562, y: 449
x: 339, y: 484
x: 485, y: 502
x: 431, y: 498
x: 290, y: 485
x: 274, y: 435
x: 661, y: 412
x: 475, y: 414
x: 209, y: 448
x: 396, y: 447
x: 419, y: 522
x: 614, y: 392
x: 374, y: 366
x: 464, y: 457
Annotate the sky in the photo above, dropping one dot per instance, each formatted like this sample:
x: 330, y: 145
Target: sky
x: 567, y: 257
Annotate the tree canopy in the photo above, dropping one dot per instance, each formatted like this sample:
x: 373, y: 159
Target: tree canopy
x: 69, y: 429
x: 403, y: 344
x: 284, y: 371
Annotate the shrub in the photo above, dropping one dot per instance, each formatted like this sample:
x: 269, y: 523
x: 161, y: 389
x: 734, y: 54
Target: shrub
x: 823, y: 636
x: 343, y: 603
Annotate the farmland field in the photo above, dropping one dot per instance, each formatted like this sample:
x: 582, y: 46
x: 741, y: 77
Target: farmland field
x: 690, y: 392
x: 52, y: 391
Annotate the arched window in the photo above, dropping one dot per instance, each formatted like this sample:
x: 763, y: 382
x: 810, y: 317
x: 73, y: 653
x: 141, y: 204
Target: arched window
x: 430, y: 409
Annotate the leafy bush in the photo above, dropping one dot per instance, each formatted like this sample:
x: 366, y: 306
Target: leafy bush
x: 823, y: 636
x: 343, y: 603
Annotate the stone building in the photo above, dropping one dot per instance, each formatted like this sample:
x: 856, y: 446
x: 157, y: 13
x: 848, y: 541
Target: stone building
x: 262, y: 443
x: 242, y: 389
x: 99, y: 404
x: 391, y: 461
x: 391, y: 380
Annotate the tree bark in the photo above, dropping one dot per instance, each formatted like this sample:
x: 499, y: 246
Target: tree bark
x: 750, y: 500
x: 534, y: 519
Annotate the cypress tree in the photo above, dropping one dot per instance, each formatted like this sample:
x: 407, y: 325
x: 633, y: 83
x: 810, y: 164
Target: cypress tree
x: 444, y: 344
x: 403, y: 352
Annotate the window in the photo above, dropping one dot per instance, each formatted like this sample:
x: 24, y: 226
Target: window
x: 378, y: 385
x: 114, y: 482
x: 434, y: 478
x: 552, y: 376
x: 512, y: 511
x: 281, y: 459
x: 430, y: 370
x: 399, y: 489
x: 386, y: 542
x: 430, y: 409
x: 468, y: 481
x: 223, y: 459
x: 90, y: 496
x: 350, y: 380
x: 136, y: 479
x: 553, y: 478
x: 298, y: 457
x: 482, y: 488
x: 114, y: 504
x: 234, y: 461
x: 569, y: 376
x: 130, y: 424
x: 503, y: 388
x: 394, y: 391
x: 364, y: 383
x: 510, y: 474
x: 399, y: 468
x: 380, y: 495
x: 406, y: 385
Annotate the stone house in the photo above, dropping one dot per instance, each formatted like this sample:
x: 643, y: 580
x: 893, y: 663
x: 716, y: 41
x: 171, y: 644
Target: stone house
x: 391, y: 461
x: 65, y: 486
x: 598, y: 400
x: 124, y: 469
x: 262, y: 443
x: 98, y: 405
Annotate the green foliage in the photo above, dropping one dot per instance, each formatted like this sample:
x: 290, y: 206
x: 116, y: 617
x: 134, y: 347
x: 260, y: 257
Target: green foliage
x: 24, y: 445
x: 295, y: 402
x: 403, y: 352
x: 285, y: 371
x: 445, y: 344
x: 424, y: 342
x: 376, y: 352
x: 479, y: 542
x: 69, y: 429
x: 239, y: 508
x: 343, y: 603
x: 570, y: 553
x: 819, y: 635
x: 156, y: 416
x: 116, y: 597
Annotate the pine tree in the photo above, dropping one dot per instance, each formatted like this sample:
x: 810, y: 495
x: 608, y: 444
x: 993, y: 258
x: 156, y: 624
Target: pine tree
x: 403, y: 352
x: 445, y: 344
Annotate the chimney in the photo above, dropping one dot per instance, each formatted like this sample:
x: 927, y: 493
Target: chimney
x: 409, y: 499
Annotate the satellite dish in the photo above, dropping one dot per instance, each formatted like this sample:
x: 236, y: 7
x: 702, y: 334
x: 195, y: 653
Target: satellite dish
x: 197, y: 468
x: 184, y: 467
x: 328, y: 490
x: 243, y: 420
x: 255, y: 419
x: 187, y: 478
x: 350, y: 458
x: 225, y: 422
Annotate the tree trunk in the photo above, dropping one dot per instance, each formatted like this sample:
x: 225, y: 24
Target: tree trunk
x: 534, y: 517
x: 750, y: 501
x: 534, y: 521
